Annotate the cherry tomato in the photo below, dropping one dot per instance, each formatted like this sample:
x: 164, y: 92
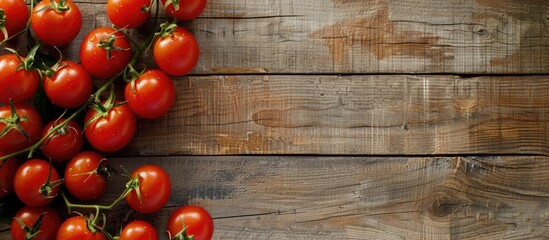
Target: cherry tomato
x: 113, y: 132
x: 176, y: 54
x: 152, y: 95
x: 29, y: 179
x: 188, y: 9
x: 56, y: 24
x: 198, y: 221
x: 19, y: 85
x: 84, y: 176
x: 128, y: 13
x: 16, y: 15
x: 154, y: 186
x: 64, y: 143
x: 139, y: 230
x: 7, y: 172
x: 30, y: 122
x: 70, y: 86
x: 99, y: 62
x: 29, y: 215
x: 75, y: 228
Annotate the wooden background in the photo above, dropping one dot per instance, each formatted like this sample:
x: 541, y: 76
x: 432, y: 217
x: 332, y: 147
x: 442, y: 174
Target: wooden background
x: 344, y: 119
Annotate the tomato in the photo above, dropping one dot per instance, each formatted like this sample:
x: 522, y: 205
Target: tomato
x: 75, y: 228
x: 152, y: 95
x: 19, y: 85
x: 15, y: 14
x: 112, y: 132
x: 70, y: 86
x: 105, y: 52
x: 198, y: 221
x: 7, y: 173
x: 139, y: 230
x: 29, y: 120
x: 56, y: 24
x: 29, y: 215
x: 64, y: 143
x: 176, y: 54
x: 128, y: 13
x: 85, y: 176
x: 188, y: 9
x: 29, y: 179
x: 154, y: 186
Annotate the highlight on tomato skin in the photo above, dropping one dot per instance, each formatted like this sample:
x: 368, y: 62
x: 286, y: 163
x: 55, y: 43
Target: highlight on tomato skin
x: 177, y: 53
x: 154, y: 186
x: 128, y: 14
x: 86, y: 176
x: 76, y: 228
x: 19, y: 85
x: 139, y: 230
x: 191, y: 220
x: 17, y: 14
x: 151, y: 95
x: 64, y: 143
x: 29, y: 180
x: 70, y: 86
x: 187, y: 9
x: 56, y: 23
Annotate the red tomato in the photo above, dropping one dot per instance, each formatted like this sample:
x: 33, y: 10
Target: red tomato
x: 29, y: 215
x: 139, y: 230
x: 63, y: 144
x: 188, y: 9
x: 75, y: 228
x: 154, y: 186
x: 7, y: 173
x: 128, y: 13
x: 16, y: 15
x: 176, y: 54
x: 14, y: 141
x: 57, y: 24
x: 99, y: 62
x: 152, y: 96
x: 70, y: 86
x: 19, y: 85
x: 83, y: 176
x: 29, y: 179
x: 113, y: 132
x: 198, y: 221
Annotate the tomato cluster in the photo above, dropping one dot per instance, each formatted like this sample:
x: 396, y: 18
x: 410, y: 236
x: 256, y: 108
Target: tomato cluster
x: 70, y: 149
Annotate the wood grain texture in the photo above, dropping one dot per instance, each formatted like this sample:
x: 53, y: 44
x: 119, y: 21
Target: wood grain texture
x: 351, y: 115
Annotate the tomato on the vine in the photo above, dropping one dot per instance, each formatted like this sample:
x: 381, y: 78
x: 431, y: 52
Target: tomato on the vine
x: 151, y: 95
x: 76, y: 228
x: 128, y: 13
x: 112, y: 130
x: 139, y: 230
x: 56, y: 22
x: 196, y: 221
x: 19, y: 85
x: 70, y: 86
x: 186, y: 10
x: 154, y: 189
x: 176, y: 52
x: 15, y: 15
x: 105, y: 52
x: 64, y: 143
x: 27, y: 119
x: 28, y: 216
x: 31, y: 184
x: 7, y: 172
x: 86, y: 175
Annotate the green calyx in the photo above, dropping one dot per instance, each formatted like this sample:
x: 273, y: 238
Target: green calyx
x: 14, y: 123
x: 183, y: 234
x: 33, y: 231
x: 107, y: 43
x: 47, y: 188
x: 3, y: 19
x: 166, y: 29
x: 58, y: 7
x: 175, y: 4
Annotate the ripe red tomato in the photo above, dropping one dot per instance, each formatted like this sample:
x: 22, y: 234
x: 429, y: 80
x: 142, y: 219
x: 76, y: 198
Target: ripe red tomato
x: 196, y: 219
x: 139, y: 230
x: 58, y: 24
x: 19, y: 85
x: 63, y: 144
x: 75, y: 228
x: 128, y: 13
x: 176, y: 54
x: 30, y: 121
x: 70, y: 86
x: 154, y: 186
x: 29, y: 179
x: 152, y: 96
x: 101, y: 60
x: 7, y: 173
x: 188, y: 9
x: 16, y: 15
x: 29, y: 215
x: 113, y: 132
x: 84, y: 176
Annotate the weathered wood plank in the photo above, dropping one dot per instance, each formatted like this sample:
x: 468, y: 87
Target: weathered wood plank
x: 381, y: 36
x: 351, y: 115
